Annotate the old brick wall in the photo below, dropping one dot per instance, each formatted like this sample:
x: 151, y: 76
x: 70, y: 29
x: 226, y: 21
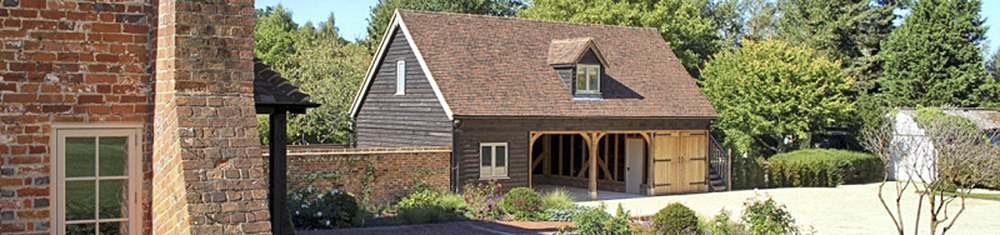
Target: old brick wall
x: 67, y: 61
x: 209, y: 174
x: 385, y: 174
x: 182, y: 69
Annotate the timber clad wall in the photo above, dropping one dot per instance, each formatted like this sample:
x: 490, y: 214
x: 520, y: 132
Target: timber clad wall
x: 67, y: 62
x: 414, y: 119
x: 516, y: 132
x: 395, y: 172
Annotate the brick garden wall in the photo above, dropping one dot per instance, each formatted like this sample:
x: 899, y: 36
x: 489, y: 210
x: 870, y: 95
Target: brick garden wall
x: 385, y: 174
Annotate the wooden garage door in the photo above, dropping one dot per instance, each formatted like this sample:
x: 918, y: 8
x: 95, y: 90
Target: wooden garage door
x: 666, y: 164
x: 695, y: 160
x: 680, y: 162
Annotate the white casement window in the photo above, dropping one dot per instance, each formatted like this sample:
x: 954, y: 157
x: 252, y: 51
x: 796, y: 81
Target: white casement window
x: 492, y: 160
x: 96, y: 179
x: 400, y: 77
x: 588, y: 79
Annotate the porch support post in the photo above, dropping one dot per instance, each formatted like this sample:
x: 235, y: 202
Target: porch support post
x: 593, y: 141
x: 650, y: 163
x: 278, y: 169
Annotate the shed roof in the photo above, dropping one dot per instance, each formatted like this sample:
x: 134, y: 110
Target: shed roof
x: 270, y: 91
x: 985, y: 119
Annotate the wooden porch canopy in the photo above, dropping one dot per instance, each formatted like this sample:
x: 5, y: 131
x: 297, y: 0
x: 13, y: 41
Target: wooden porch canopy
x: 275, y: 96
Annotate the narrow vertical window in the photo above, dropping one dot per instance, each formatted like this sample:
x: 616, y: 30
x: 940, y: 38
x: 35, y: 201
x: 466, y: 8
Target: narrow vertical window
x: 400, y: 77
x: 97, y: 180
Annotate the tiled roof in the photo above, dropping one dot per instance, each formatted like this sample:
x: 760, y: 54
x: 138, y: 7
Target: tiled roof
x: 499, y: 66
x: 270, y: 89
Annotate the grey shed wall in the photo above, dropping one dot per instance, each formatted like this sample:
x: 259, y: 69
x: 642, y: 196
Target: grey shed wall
x: 413, y: 119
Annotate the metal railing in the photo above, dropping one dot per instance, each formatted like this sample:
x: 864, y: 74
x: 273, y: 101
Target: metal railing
x: 720, y: 161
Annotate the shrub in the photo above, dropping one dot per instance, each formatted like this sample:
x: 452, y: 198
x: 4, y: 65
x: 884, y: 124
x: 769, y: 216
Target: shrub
x: 557, y: 199
x: 419, y: 199
x: 428, y: 206
x: 483, y: 200
x: 748, y: 173
x: 765, y: 216
x: 594, y: 221
x: 676, y: 219
x: 721, y: 225
x: 523, y: 203
x: 564, y: 214
x: 823, y: 168
x: 452, y: 202
x: 426, y: 214
x: 312, y: 209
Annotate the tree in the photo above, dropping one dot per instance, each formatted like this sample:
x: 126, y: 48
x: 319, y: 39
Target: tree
x: 935, y: 57
x: 774, y: 95
x: 945, y: 162
x: 847, y: 30
x: 740, y: 20
x: 991, y: 89
x: 274, y: 36
x: 686, y: 25
x: 382, y: 12
x: 321, y: 64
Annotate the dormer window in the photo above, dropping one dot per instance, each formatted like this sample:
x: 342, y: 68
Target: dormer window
x: 579, y: 62
x: 588, y: 79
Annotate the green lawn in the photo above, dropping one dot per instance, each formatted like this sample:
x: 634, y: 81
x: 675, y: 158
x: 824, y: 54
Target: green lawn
x: 987, y: 196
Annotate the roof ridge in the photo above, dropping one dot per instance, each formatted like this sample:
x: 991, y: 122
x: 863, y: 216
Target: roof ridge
x: 526, y: 19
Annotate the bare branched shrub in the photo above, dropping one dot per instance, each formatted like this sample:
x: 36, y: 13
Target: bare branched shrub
x: 942, y: 161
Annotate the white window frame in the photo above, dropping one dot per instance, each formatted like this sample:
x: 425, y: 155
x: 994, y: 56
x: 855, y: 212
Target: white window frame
x: 134, y: 179
x: 400, y: 77
x: 587, y: 77
x: 493, y: 174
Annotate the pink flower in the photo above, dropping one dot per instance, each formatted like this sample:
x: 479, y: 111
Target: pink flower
x: 499, y: 186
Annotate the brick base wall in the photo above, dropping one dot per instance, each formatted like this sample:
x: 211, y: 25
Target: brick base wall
x: 385, y: 174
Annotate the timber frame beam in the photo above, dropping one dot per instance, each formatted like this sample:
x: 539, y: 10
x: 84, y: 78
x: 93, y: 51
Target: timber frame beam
x: 592, y: 139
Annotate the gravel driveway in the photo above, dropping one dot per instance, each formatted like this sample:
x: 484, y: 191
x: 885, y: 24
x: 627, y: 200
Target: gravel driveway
x: 847, y: 209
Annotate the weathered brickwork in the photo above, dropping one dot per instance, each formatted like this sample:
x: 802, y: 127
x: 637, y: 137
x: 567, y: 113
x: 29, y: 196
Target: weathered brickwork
x: 67, y: 62
x: 180, y: 68
x: 207, y: 147
x: 394, y: 173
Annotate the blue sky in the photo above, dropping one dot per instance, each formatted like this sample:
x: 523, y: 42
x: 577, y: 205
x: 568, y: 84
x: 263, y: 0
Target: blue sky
x: 352, y: 15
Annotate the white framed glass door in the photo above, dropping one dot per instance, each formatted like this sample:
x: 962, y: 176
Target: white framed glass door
x: 96, y: 179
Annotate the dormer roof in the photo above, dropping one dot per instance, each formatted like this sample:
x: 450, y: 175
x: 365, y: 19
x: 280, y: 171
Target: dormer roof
x: 569, y: 51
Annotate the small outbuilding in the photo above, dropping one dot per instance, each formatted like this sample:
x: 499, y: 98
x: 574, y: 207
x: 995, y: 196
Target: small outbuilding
x: 530, y: 102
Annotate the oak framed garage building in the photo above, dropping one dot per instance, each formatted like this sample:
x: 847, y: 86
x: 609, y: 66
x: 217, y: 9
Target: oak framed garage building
x: 530, y: 102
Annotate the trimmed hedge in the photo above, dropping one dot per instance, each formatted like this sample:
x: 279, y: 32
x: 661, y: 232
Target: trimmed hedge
x: 823, y: 168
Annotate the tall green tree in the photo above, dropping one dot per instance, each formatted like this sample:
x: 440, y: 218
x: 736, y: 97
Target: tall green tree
x: 274, y: 36
x: 382, y: 12
x: 771, y: 96
x: 687, y: 25
x: 740, y: 20
x: 991, y: 89
x: 847, y: 30
x: 322, y: 64
x: 935, y: 57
